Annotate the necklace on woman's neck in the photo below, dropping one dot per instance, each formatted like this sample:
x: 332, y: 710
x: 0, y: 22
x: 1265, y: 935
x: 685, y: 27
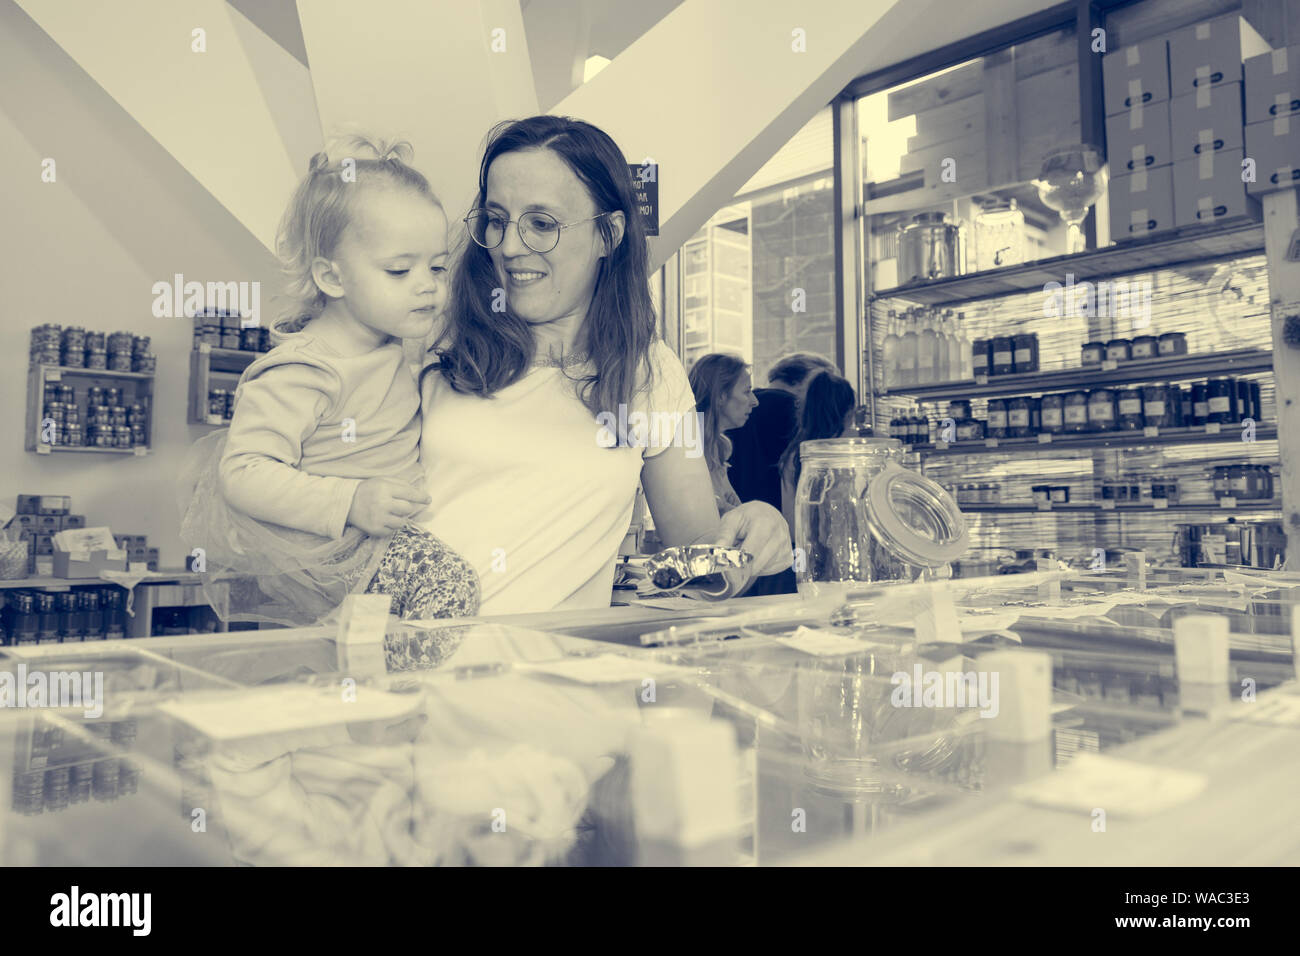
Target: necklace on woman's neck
x: 568, y: 360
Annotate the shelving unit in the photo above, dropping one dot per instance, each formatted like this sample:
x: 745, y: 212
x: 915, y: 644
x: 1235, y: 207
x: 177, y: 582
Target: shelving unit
x: 1172, y: 248
x: 1169, y: 368
x: 138, y: 384
x: 1164, y: 436
x: 207, y: 361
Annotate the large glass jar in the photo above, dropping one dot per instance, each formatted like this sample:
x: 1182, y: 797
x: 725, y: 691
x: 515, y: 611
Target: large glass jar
x: 1101, y: 410
x: 999, y: 235
x: 862, y: 518
x: 1052, y: 417
x: 1130, y: 409
x: 997, y: 418
x: 1018, y: 417
x: 1002, y: 358
x: 1076, y: 411
x: 1156, y: 407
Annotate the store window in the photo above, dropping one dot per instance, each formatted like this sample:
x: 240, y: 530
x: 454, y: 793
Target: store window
x: 758, y: 279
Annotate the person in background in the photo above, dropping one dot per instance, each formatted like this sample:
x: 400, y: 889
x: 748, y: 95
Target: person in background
x: 724, y: 397
x: 757, y: 446
x: 827, y: 412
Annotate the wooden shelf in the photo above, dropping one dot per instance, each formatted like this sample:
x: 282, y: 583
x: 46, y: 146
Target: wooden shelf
x: 95, y: 372
x: 205, y: 362
x: 1169, y: 368
x: 137, y: 388
x: 47, y: 582
x: 1144, y: 508
x: 1174, y: 247
x: 1192, y: 434
x: 44, y: 449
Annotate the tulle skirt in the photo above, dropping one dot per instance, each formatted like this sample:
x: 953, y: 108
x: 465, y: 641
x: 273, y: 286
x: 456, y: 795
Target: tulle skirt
x: 258, y: 571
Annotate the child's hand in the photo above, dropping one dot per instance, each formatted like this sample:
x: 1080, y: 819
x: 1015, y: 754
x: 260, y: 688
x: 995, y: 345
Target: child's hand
x: 382, y: 505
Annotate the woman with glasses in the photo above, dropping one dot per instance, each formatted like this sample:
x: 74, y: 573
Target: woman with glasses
x: 549, y: 394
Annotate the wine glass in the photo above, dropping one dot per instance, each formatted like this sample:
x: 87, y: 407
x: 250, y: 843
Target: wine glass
x: 1072, y: 179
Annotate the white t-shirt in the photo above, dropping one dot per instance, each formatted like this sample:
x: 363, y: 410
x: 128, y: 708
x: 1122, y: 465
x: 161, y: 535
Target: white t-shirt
x: 526, y: 489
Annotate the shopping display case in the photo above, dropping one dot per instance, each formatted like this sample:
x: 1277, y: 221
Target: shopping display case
x: 755, y: 732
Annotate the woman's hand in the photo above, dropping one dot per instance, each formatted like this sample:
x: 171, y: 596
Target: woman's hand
x: 758, y: 528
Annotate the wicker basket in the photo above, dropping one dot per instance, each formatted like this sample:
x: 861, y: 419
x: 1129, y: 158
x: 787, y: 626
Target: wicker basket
x: 13, y: 560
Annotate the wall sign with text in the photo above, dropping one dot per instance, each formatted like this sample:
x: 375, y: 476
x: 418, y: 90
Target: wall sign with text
x: 645, y: 187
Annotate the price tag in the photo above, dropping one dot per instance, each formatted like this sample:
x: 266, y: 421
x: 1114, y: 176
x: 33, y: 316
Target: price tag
x: 981, y: 379
x: 140, y: 451
x: 1160, y: 504
x: 1211, y: 428
x: 990, y: 443
x: 1107, y: 504
x: 1227, y: 502
x: 1109, y: 365
x: 1151, y: 431
x: 1044, y: 505
x: 54, y: 375
x: 42, y: 448
x: 941, y: 445
x: 205, y: 348
x: 1044, y: 438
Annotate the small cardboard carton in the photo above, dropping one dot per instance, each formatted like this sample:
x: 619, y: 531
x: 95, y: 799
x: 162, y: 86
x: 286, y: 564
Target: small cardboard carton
x: 84, y: 552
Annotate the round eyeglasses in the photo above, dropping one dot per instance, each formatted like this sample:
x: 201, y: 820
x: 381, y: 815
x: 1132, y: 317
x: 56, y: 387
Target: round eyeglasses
x: 539, y: 231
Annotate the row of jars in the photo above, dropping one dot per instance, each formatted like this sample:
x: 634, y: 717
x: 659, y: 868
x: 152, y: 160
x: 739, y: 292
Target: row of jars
x: 63, y: 413
x: 1129, y: 488
x: 74, y: 347
x: 94, y: 436
x: 254, y: 339
x: 1135, y: 349
x: 221, y: 403
x: 60, y: 787
x: 1005, y: 355
x: 1243, y: 482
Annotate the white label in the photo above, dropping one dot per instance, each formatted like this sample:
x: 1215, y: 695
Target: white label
x: 941, y: 445
x: 1045, y: 438
x: 990, y: 443
x: 1076, y: 414
x: 997, y: 419
x: 1227, y: 502
x: 1130, y: 406
x: 1052, y: 418
x: 1154, y: 409
x: 1022, y: 356
x: 1044, y: 505
x: 1211, y: 428
x: 1109, y: 365
x: 907, y: 361
x: 1160, y: 504
x: 1019, y: 417
x: 1220, y: 403
x: 1151, y: 431
x: 1143, y: 351
x: 1108, y: 504
x: 981, y: 379
x: 1001, y: 358
x: 1115, y: 354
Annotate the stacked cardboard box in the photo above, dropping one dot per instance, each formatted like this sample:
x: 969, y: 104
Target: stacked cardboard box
x: 1273, y: 119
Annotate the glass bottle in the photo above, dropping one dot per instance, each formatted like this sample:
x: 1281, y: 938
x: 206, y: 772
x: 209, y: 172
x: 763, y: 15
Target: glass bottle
x: 999, y: 235
x: 965, y: 359
x: 955, y: 350
x: 907, y: 350
x: 927, y: 350
x: 890, y: 351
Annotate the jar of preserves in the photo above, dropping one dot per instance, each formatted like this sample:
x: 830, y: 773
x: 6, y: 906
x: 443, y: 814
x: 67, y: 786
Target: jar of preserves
x: 96, y: 342
x: 117, y: 416
x: 1075, y: 411
x: 1173, y: 343
x: 972, y: 429
x: 1051, y: 418
x: 1128, y: 403
x: 119, y: 362
x: 249, y: 338
x: 1263, y: 485
x: 1092, y: 353
x: 1200, y: 404
x: 112, y: 396
x: 997, y: 418
x: 1101, y: 410
x: 979, y: 353
x: 96, y: 358
x: 1238, y: 481
x: 1155, y: 405
x: 1144, y: 347
x: 217, y: 402
x: 1002, y: 357
x: 959, y: 409
x: 1220, y: 398
x: 1018, y: 416
x: 1118, y: 350
x: 1025, y: 357
x: 122, y: 436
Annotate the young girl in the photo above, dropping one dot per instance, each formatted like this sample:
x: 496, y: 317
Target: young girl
x: 307, y: 496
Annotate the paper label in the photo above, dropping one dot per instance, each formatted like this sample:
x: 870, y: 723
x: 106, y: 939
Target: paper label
x: 1160, y: 504
x: 1108, y: 504
x: 1130, y: 406
x: 990, y: 443
x: 823, y: 643
x: 1123, y: 787
x: 1151, y: 431
x: 1226, y: 501
x: 1076, y: 415
x: 981, y: 379
x: 1220, y: 403
x: 1045, y: 438
x: 1022, y: 356
x: 1051, y: 417
x: 1155, y: 409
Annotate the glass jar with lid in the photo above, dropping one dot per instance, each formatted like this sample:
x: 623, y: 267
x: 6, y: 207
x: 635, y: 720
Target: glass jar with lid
x: 1220, y: 398
x: 1051, y: 414
x: 1119, y: 350
x: 999, y: 235
x: 862, y: 518
x: 1025, y: 352
x: 1092, y: 353
x: 1128, y: 403
x: 1075, y: 411
x: 1144, y: 347
x: 997, y: 418
x: 1018, y: 417
x: 1200, y: 404
x: 1002, y: 355
x: 1101, y: 410
x: 1156, y: 408
x: 1173, y: 343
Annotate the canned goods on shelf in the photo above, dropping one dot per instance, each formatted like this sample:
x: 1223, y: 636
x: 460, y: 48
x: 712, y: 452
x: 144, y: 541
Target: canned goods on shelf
x: 67, y: 394
x: 230, y: 406
x: 96, y: 342
x: 140, y: 344
x: 264, y: 340
x: 249, y: 338
x: 217, y: 401
x: 122, y: 437
x: 119, y: 362
x: 230, y: 339
x: 94, y: 395
x: 97, y: 359
x: 113, y: 395
x: 73, y: 358
x: 144, y: 362
x: 120, y: 342
x: 46, y: 356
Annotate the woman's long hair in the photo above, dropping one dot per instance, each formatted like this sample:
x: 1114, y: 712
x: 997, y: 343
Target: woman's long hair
x: 825, y: 406
x: 712, y: 379
x: 482, y: 351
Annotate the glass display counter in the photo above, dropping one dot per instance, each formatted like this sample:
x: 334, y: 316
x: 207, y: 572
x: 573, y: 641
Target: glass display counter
x: 966, y: 721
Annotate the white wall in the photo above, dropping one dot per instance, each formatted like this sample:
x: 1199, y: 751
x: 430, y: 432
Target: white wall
x: 86, y: 251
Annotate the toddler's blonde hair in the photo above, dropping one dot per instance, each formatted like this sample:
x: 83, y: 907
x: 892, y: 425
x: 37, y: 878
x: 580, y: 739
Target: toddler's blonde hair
x: 322, y: 205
